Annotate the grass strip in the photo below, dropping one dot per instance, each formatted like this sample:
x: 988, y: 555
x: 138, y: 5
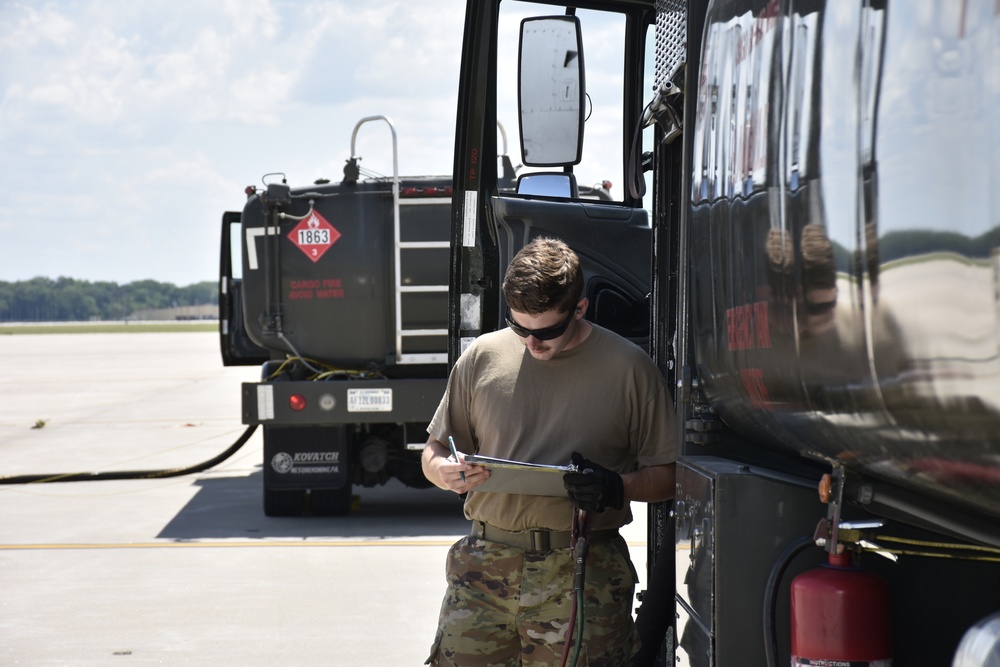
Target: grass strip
x: 166, y: 326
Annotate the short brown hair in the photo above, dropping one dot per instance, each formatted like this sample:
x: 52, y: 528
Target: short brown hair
x: 819, y: 267
x: 544, y: 275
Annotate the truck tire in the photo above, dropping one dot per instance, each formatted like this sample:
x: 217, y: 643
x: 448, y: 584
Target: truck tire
x: 334, y: 502
x: 284, y: 503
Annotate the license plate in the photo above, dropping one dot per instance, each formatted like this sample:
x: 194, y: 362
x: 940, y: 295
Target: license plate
x: 369, y: 400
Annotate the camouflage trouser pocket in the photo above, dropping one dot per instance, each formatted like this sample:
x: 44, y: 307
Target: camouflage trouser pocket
x: 432, y: 657
x: 622, y: 547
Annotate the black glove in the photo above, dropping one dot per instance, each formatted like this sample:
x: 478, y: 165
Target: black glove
x: 594, y: 488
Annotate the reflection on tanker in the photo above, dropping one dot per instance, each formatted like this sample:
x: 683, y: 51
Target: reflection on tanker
x: 847, y: 264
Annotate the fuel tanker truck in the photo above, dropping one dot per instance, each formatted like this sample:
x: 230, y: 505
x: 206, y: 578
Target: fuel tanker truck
x: 339, y: 291
x: 806, y: 239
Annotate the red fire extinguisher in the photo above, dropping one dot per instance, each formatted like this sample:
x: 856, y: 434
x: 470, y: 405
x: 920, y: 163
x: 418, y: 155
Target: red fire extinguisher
x: 840, y: 616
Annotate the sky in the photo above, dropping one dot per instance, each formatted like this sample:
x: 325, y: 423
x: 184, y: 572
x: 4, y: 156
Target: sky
x: 128, y: 128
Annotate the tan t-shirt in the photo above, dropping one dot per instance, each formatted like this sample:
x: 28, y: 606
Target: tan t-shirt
x: 603, y: 398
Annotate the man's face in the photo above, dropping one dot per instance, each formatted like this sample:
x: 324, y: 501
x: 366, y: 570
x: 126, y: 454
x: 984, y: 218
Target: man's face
x: 564, y: 327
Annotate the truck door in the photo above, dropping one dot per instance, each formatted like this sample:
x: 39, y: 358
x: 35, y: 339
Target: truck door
x: 576, y: 82
x: 236, y: 347
x: 565, y: 187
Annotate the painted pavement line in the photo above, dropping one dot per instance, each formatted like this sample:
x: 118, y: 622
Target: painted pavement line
x: 221, y: 545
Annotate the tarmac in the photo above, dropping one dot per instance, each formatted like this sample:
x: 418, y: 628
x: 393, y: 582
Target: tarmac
x: 188, y: 570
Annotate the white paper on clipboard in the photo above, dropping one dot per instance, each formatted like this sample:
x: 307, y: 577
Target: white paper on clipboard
x: 531, y: 479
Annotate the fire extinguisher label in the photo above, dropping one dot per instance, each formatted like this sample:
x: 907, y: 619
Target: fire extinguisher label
x: 819, y: 662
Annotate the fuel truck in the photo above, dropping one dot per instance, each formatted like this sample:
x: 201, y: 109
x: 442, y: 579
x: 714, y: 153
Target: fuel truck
x: 339, y: 291
x: 805, y: 235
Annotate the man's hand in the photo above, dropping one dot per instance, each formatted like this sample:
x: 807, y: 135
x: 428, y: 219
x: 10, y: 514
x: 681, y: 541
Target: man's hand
x: 441, y: 469
x: 594, y: 488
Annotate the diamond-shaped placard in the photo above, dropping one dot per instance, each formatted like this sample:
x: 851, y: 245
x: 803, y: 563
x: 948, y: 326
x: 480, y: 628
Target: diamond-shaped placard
x: 314, y: 236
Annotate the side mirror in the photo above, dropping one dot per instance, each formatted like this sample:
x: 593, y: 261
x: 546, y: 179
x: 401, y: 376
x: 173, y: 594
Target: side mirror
x: 551, y: 91
x: 548, y: 185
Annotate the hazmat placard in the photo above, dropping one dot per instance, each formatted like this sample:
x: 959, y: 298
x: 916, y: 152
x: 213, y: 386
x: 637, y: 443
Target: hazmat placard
x: 314, y: 235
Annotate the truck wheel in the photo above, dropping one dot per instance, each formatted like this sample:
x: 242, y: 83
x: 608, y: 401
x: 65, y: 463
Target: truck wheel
x: 284, y: 503
x: 336, y: 502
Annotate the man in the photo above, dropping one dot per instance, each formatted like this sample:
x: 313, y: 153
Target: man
x: 551, y: 388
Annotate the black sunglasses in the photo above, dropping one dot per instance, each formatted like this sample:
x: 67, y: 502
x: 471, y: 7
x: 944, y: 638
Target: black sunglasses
x: 548, y: 333
x: 820, y: 307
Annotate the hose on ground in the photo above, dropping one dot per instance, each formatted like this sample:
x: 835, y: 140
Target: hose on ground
x: 131, y: 474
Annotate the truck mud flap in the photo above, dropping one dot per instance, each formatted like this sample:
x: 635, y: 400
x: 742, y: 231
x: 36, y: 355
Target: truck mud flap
x: 306, y: 471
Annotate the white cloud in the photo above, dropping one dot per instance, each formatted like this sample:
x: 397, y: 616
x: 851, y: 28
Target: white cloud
x: 128, y: 128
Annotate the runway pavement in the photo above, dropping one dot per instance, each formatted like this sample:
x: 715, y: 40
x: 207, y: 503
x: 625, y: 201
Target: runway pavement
x: 188, y: 570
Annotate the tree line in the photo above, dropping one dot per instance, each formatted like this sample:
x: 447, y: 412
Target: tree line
x: 69, y: 300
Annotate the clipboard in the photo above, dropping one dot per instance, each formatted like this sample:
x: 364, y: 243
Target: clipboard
x: 533, y: 479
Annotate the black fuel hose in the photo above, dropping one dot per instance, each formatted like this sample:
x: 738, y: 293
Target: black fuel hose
x: 771, y: 593
x: 131, y: 474
x: 580, y: 541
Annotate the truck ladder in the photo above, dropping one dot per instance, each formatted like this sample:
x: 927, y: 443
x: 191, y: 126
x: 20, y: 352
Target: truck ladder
x: 399, y: 247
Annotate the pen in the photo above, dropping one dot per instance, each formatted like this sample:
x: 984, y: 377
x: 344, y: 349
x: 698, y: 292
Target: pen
x: 454, y: 452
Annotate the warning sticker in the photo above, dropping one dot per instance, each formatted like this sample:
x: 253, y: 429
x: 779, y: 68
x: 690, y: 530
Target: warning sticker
x: 327, y: 288
x: 314, y: 236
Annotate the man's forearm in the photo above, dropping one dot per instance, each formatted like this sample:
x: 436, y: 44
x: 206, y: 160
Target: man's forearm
x: 650, y: 485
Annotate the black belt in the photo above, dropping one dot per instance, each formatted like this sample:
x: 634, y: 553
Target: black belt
x: 536, y: 540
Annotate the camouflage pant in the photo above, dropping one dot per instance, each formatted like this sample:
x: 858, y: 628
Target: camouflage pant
x: 505, y: 607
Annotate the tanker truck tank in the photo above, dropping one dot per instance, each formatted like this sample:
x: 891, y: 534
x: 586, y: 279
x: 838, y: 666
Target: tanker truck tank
x: 845, y: 272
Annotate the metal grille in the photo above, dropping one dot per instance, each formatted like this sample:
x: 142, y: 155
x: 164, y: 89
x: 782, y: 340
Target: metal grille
x: 671, y: 35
